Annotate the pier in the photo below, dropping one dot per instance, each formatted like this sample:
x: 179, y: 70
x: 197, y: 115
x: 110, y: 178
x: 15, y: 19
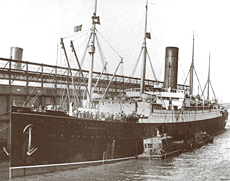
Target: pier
x: 28, y: 79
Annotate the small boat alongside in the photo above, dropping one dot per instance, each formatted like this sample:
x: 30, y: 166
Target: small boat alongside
x: 199, y: 140
x: 164, y: 146
x: 161, y: 147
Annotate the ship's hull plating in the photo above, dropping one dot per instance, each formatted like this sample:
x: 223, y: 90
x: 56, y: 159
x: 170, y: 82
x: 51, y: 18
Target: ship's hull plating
x: 39, y: 141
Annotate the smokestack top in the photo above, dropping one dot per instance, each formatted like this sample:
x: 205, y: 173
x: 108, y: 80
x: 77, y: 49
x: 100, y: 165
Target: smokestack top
x: 172, y: 51
x: 16, y: 53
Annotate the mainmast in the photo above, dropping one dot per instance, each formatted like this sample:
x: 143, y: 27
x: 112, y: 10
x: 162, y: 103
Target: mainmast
x: 144, y: 54
x: 192, y: 69
x: 209, y: 82
x: 91, y: 49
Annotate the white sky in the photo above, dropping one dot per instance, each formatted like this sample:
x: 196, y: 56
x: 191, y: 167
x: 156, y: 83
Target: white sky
x: 37, y: 26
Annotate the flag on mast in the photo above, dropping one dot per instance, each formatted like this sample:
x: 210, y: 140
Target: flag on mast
x: 148, y: 35
x: 77, y: 28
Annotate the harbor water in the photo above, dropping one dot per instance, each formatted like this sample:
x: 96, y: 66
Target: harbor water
x: 210, y: 162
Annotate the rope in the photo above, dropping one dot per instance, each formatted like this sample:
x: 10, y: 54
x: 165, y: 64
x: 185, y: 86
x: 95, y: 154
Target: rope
x: 78, y: 16
x: 64, y: 100
x: 35, y: 98
x: 109, y: 44
x: 83, y: 58
x: 187, y: 76
x: 62, y: 95
x: 86, y: 31
x: 100, y: 51
x: 54, y: 96
x: 28, y: 96
x: 4, y: 127
x: 135, y: 66
x: 43, y: 89
x: 212, y: 89
x: 76, y: 34
x: 197, y: 78
x: 152, y: 68
x: 5, y: 113
x: 95, y: 85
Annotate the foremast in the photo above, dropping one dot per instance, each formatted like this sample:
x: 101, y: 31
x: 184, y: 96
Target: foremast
x: 91, y: 49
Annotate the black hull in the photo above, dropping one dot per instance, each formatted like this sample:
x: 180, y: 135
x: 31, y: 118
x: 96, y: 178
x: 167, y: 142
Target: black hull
x: 65, y: 140
x: 62, y: 140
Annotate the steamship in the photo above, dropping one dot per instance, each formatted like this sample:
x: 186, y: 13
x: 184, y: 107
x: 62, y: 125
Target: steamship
x: 109, y: 129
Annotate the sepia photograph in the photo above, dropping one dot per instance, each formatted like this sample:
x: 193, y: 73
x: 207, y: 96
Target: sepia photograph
x: 114, y: 90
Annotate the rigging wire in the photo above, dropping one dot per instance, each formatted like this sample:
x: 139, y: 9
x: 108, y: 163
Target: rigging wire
x: 182, y: 71
x: 109, y: 44
x: 54, y: 95
x: 187, y: 77
x: 81, y: 32
x: 28, y: 96
x: 152, y: 68
x: 83, y: 58
x: 42, y: 90
x: 155, y: 45
x: 78, y: 16
x: 139, y: 27
x: 137, y: 61
x: 101, y: 53
x: 140, y: 41
x: 197, y: 78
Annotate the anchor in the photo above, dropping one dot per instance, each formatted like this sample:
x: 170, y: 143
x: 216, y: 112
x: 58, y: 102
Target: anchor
x: 28, y: 130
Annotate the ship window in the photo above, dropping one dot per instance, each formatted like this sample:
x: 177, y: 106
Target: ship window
x: 150, y: 145
x: 145, y: 145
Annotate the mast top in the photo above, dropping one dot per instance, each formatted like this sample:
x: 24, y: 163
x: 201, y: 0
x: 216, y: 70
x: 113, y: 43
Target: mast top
x: 91, y: 49
x: 192, y: 67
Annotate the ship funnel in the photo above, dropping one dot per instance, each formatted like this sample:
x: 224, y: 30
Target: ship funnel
x: 171, y: 67
x: 16, y: 54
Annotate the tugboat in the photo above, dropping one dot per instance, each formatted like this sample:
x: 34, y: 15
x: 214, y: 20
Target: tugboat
x: 161, y: 146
